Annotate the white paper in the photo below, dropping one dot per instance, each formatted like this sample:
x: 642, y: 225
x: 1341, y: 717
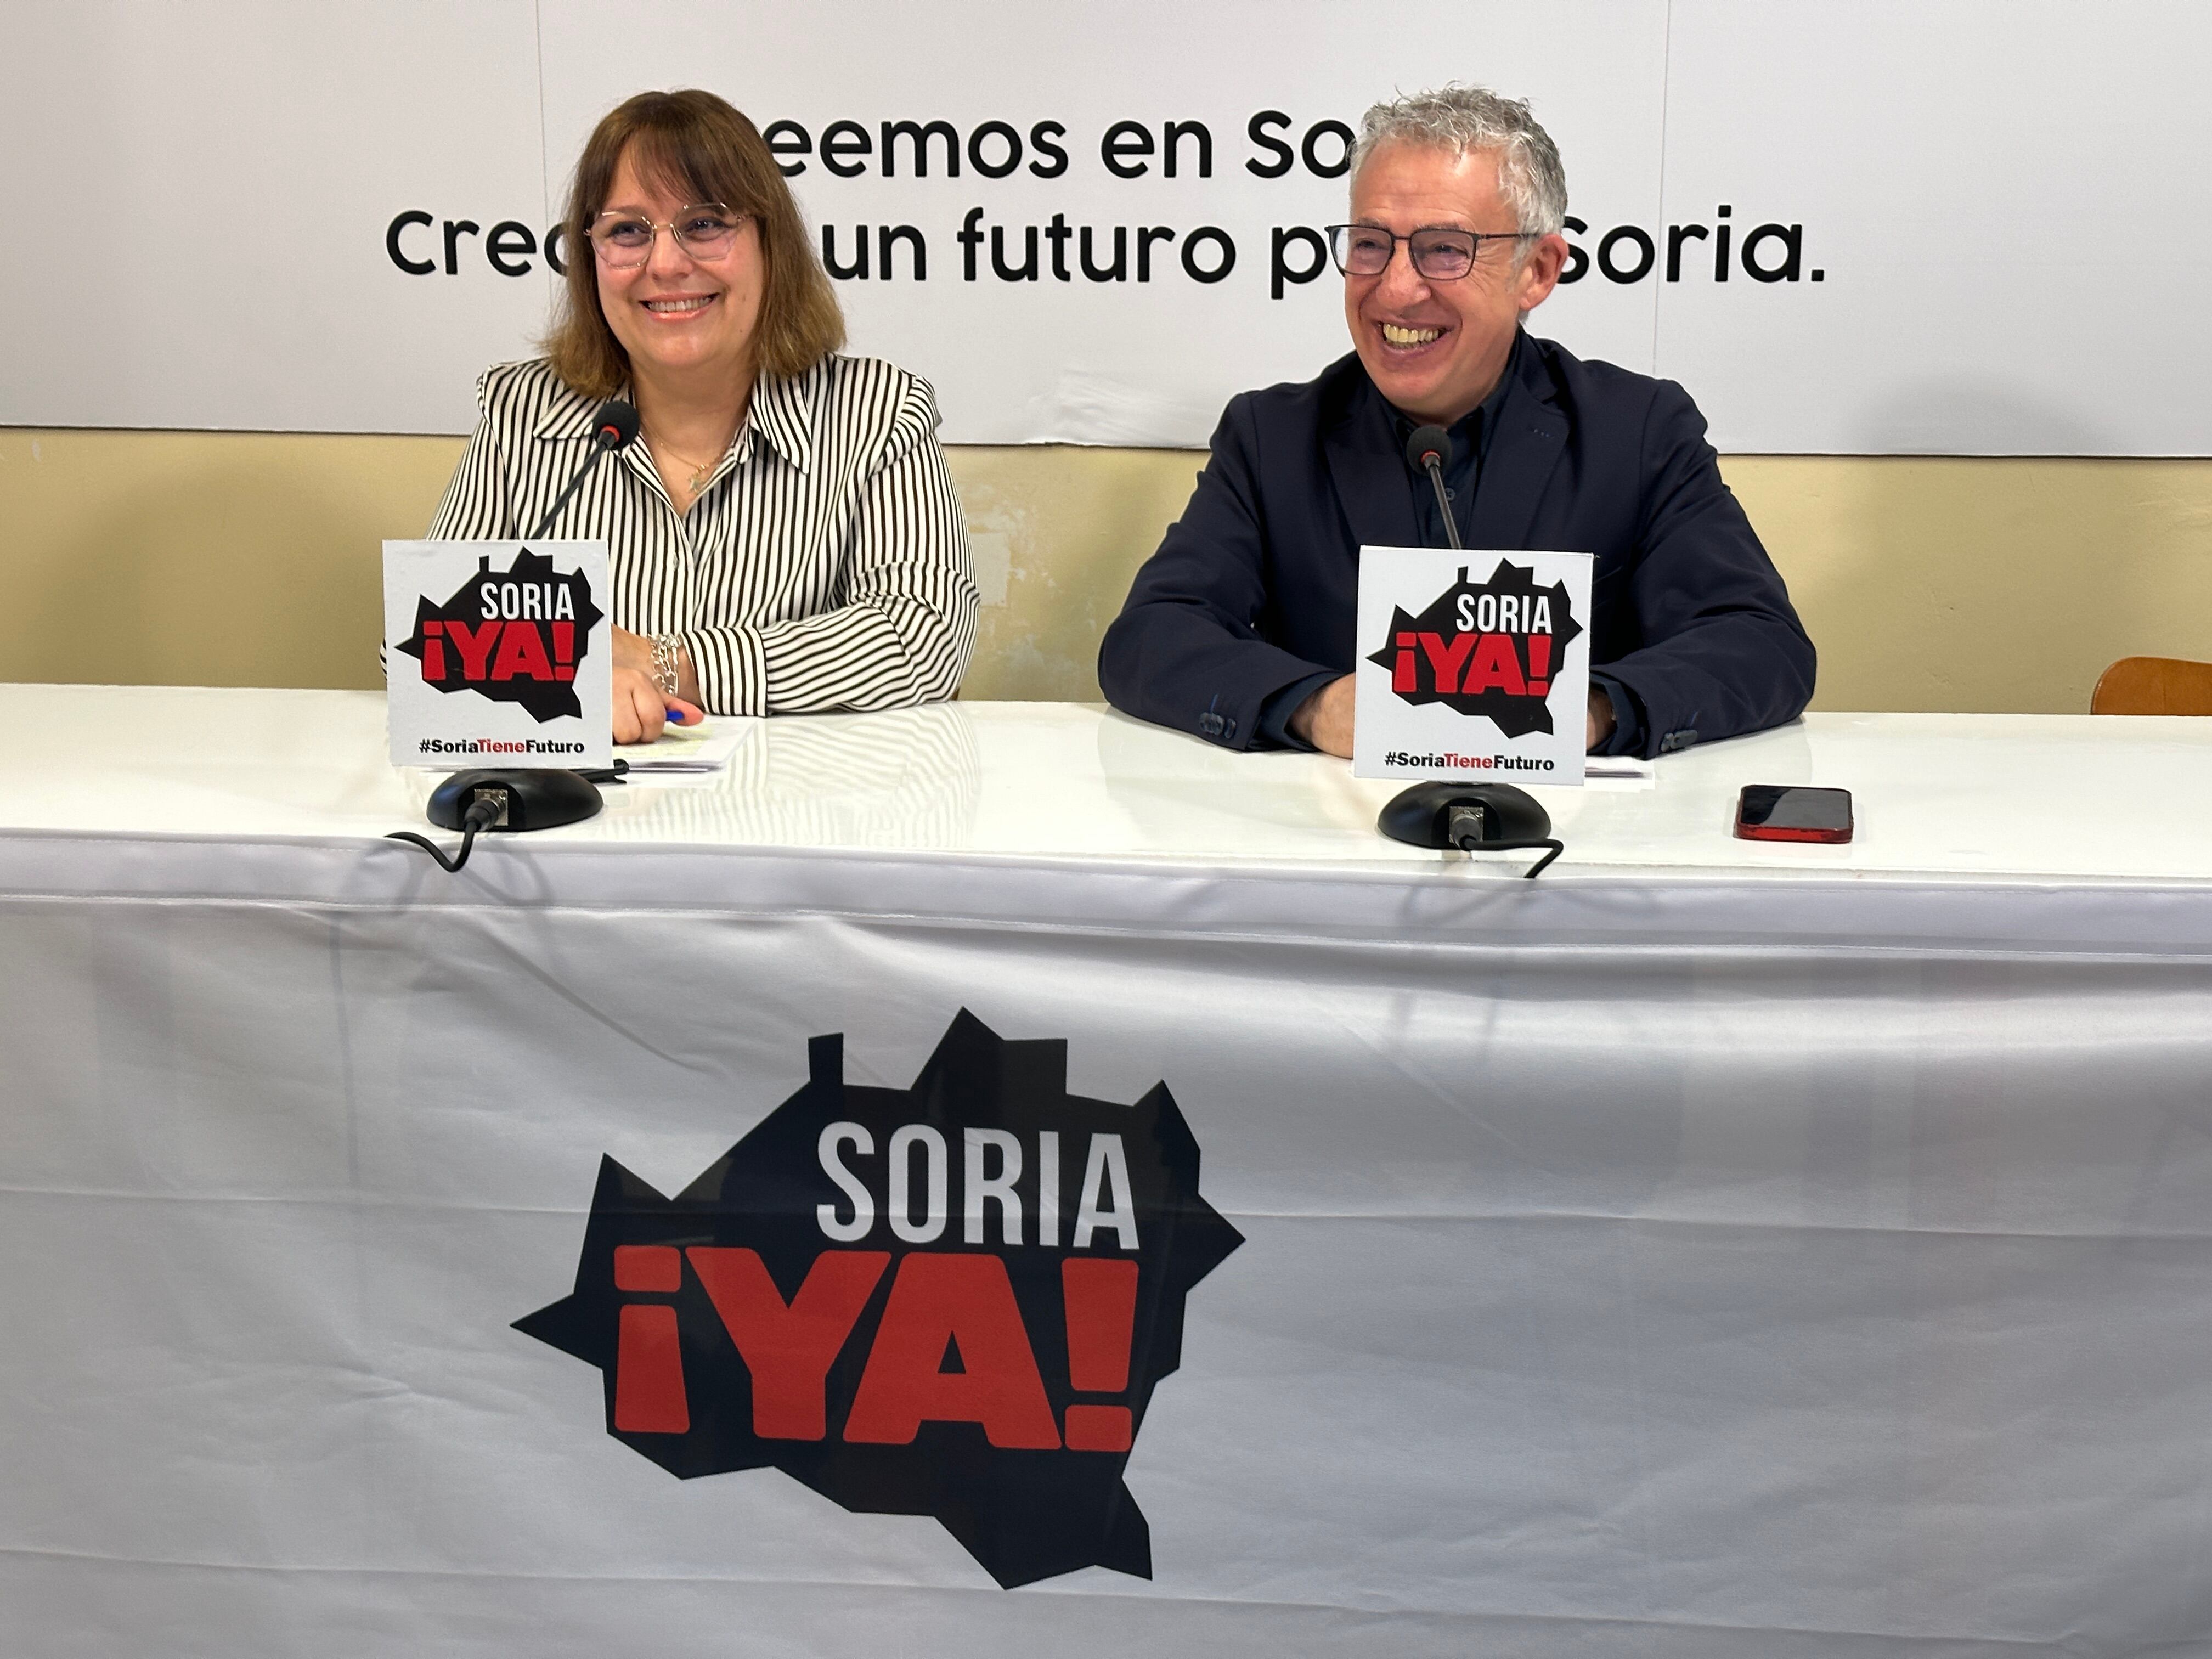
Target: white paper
x: 680, y: 752
x: 1618, y: 772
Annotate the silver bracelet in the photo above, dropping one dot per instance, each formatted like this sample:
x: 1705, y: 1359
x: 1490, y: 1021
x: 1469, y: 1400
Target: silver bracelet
x: 664, y: 647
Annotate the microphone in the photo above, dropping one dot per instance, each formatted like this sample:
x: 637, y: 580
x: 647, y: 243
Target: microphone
x: 612, y: 429
x: 1426, y: 451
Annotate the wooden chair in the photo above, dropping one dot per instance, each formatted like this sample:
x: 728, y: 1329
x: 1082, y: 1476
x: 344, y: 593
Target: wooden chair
x: 2153, y: 685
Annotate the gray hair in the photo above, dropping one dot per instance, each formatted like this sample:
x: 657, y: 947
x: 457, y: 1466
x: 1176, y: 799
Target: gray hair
x: 1461, y: 119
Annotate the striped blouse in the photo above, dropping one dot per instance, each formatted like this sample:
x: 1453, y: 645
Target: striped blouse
x: 824, y: 566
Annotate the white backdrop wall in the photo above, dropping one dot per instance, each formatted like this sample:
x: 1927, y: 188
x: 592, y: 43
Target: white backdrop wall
x: 1990, y: 216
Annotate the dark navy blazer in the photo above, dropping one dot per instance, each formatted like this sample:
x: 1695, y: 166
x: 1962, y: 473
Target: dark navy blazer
x: 1257, y: 585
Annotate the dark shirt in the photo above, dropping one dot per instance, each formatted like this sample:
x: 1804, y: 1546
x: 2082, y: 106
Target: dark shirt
x: 1462, y: 468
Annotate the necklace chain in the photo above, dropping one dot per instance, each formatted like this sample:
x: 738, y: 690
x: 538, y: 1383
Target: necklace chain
x: 699, y: 469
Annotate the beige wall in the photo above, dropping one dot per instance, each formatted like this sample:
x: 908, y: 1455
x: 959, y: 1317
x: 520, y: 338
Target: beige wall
x: 252, y: 559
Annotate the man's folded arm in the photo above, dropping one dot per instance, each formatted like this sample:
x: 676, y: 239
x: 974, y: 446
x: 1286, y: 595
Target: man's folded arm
x: 1723, y: 650
x: 1626, y: 735
x: 1275, y: 712
x: 1185, y: 651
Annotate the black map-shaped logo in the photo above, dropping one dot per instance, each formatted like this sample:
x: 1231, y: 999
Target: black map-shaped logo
x: 1486, y: 648
x: 514, y: 635
x: 951, y: 1300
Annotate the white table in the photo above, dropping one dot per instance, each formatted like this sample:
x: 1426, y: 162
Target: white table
x: 2009, y: 797
x: 1707, y: 1249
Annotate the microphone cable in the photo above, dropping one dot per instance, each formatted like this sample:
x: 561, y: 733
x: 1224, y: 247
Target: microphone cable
x: 482, y: 813
x: 1464, y: 827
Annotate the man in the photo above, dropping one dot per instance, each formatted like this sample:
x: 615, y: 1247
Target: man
x: 1241, y: 628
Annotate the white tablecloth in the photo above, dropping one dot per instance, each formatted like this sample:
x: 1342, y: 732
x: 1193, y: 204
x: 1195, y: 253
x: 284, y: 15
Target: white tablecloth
x: 1707, y: 1249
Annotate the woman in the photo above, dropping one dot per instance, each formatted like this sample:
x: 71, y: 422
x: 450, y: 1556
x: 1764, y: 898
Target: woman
x: 783, y: 536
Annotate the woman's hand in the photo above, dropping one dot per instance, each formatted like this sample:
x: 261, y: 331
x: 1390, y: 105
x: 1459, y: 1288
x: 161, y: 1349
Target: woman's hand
x: 633, y: 651
x: 640, y: 711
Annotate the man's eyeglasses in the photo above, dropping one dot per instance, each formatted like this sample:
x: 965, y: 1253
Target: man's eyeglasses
x: 704, y: 230
x: 1441, y: 255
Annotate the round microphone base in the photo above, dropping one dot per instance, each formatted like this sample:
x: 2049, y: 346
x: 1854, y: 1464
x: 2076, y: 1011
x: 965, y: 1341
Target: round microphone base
x: 1421, y: 815
x: 1470, y: 818
x: 527, y: 799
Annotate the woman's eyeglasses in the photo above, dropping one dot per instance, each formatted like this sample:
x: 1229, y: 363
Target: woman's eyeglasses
x: 704, y: 230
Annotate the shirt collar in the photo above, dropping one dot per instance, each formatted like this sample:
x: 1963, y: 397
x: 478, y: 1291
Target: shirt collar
x: 569, y: 415
x: 1470, y: 430
x: 778, y: 414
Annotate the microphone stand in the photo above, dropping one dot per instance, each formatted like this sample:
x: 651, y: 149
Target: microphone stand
x: 616, y: 427
x: 532, y: 798
x: 1426, y: 449
x: 1470, y: 817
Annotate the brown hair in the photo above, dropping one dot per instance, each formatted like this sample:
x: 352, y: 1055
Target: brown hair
x: 693, y: 144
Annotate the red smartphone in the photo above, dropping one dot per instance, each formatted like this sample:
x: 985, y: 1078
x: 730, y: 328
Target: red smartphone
x: 1768, y: 812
